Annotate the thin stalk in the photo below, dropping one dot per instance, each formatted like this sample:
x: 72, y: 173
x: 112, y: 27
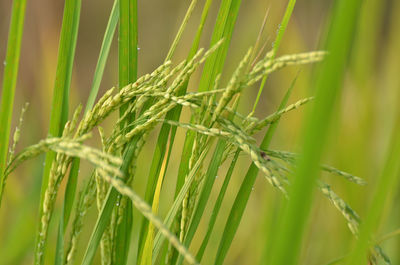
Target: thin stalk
x: 148, y: 245
x: 276, y: 45
x: 227, y: 178
x: 166, y: 130
x: 273, y: 223
x: 128, y: 64
x: 204, y: 194
x: 103, y: 55
x: 388, y: 236
x: 243, y: 195
x: 70, y: 190
x: 127, y: 44
x: 248, y: 182
x: 223, y: 29
x: 217, y: 207
x: 59, y: 111
x: 181, y: 30
x: 104, y: 217
x: 173, y: 211
x: 11, y: 64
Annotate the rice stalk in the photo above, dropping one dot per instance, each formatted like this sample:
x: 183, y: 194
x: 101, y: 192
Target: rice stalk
x: 11, y: 65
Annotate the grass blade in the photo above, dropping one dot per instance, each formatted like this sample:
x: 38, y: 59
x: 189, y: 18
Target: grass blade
x: 328, y: 82
x: 213, y: 66
x: 205, y: 193
x: 245, y: 189
x: 148, y: 245
x: 105, y: 214
x: 123, y: 237
x: 243, y: 195
x: 59, y: 111
x: 223, y: 29
x: 9, y: 82
x: 217, y: 207
x: 103, y: 55
x: 175, y: 114
x: 276, y: 44
x: 278, y: 203
x: 70, y: 190
x: 146, y: 210
x: 178, y: 202
x: 127, y: 44
x: 180, y: 31
x: 161, y: 147
x: 128, y: 65
x: 274, y: 124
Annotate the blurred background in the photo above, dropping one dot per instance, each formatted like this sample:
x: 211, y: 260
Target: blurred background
x: 358, y: 139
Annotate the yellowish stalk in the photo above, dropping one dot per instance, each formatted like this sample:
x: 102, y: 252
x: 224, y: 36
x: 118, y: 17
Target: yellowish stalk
x: 148, y: 246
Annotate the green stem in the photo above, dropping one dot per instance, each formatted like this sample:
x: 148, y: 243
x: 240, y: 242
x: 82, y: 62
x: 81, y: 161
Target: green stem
x: 11, y: 65
x: 276, y: 44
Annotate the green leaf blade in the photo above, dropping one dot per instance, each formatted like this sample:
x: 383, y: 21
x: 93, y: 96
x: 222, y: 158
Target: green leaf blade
x: 60, y: 101
x: 9, y: 82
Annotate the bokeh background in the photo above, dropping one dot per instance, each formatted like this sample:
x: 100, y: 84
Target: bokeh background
x: 357, y: 143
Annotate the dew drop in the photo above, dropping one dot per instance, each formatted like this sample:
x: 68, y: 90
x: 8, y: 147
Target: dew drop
x: 216, y: 176
x: 138, y: 48
x: 279, y: 28
x: 5, y: 62
x: 252, y: 188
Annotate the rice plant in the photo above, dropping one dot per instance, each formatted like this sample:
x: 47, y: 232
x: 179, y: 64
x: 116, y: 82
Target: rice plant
x: 99, y: 215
